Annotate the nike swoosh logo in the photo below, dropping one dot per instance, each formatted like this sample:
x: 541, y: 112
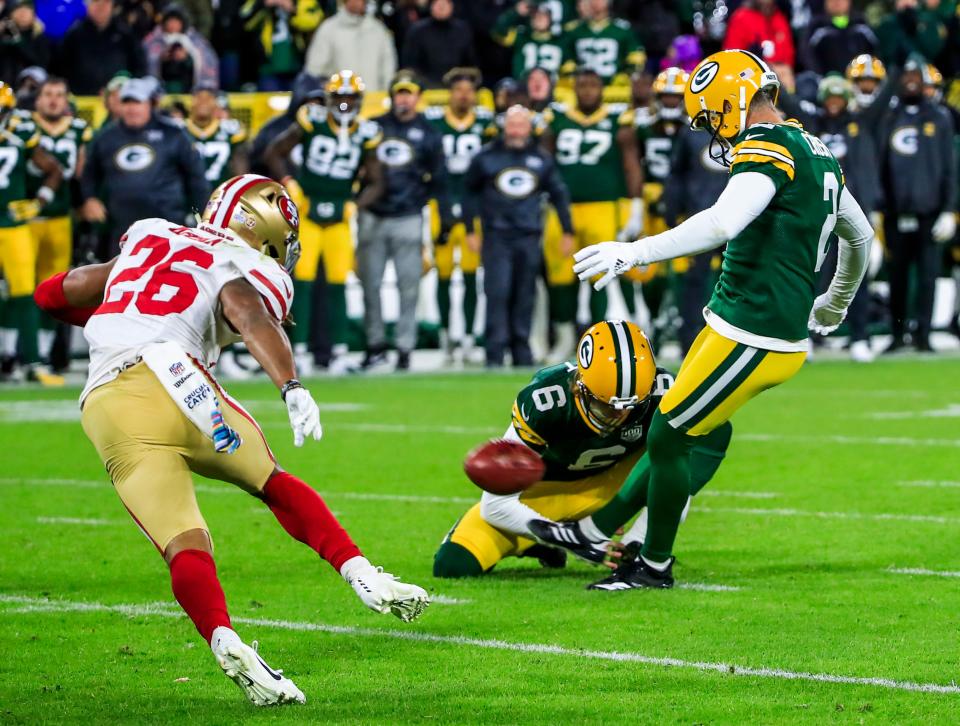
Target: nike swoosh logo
x: 268, y: 669
x: 752, y: 136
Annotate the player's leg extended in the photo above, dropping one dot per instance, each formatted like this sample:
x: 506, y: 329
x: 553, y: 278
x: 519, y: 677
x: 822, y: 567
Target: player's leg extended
x: 717, y: 377
x: 338, y: 261
x: 54, y: 241
x: 304, y: 274
x: 472, y: 547
x: 18, y: 257
x: 596, y: 222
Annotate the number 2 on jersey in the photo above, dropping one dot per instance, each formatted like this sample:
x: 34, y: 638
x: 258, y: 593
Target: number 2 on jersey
x: 167, y: 291
x: 831, y: 195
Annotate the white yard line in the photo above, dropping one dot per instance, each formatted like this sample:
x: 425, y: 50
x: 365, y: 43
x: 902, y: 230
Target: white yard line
x: 36, y: 605
x: 921, y: 571
x: 736, y: 495
x: 866, y: 440
x: 707, y: 587
x: 784, y: 512
x: 444, y: 600
x: 930, y: 484
x: 77, y: 520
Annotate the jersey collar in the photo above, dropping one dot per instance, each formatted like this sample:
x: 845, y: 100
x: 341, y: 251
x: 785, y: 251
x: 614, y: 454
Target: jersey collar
x: 202, y: 132
x: 596, y: 117
x: 52, y: 129
x: 460, y: 124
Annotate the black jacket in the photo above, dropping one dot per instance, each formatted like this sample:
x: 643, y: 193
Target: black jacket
x: 918, y: 161
x: 505, y: 188
x: 414, y: 168
x: 21, y: 49
x: 150, y: 172
x: 89, y: 57
x: 695, y: 181
x: 433, y: 47
x: 829, y: 48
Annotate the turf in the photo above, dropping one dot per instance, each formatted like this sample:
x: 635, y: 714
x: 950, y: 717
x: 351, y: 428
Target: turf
x: 808, y: 561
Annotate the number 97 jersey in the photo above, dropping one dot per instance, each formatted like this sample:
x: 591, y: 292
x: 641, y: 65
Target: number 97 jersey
x: 165, y: 286
x: 547, y: 419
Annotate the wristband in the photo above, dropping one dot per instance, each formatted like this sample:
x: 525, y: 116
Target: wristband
x: 45, y: 194
x: 289, y: 386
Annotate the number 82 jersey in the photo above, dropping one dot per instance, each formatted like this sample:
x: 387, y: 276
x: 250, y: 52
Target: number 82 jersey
x: 546, y: 419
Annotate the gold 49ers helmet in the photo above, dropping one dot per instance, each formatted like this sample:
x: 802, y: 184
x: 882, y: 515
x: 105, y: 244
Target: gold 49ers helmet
x: 344, y: 94
x: 720, y: 90
x: 670, y: 82
x: 615, y: 373
x: 259, y: 211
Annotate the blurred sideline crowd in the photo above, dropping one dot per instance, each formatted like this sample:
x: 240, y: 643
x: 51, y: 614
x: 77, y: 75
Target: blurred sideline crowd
x: 511, y: 134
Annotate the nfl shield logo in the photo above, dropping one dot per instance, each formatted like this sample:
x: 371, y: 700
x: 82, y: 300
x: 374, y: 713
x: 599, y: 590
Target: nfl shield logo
x: 177, y: 369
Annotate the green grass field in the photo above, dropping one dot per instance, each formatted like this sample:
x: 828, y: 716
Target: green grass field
x: 833, y: 483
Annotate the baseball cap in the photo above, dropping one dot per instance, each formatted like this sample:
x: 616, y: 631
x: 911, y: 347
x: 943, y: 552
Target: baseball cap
x: 405, y: 81
x: 116, y: 83
x: 136, y: 89
x: 35, y: 73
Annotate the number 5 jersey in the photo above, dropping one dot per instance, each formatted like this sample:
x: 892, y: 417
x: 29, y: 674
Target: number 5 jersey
x: 165, y: 286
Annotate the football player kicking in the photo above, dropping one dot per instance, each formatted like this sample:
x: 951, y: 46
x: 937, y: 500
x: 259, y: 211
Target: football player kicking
x: 156, y: 317
x: 777, y: 215
x: 589, y: 423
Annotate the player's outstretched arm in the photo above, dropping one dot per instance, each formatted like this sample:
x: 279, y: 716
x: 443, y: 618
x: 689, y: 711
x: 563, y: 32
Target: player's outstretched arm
x: 856, y: 234
x: 74, y: 296
x: 244, y: 310
x: 742, y: 201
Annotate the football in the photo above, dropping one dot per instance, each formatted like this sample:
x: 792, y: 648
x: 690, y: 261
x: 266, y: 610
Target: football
x: 503, y: 467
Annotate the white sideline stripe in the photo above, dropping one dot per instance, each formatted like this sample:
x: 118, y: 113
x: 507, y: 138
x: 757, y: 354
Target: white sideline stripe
x: 737, y: 495
x: 930, y: 484
x: 76, y: 520
x: 878, y: 517
x: 444, y: 600
x: 36, y: 605
x: 707, y: 587
x: 876, y: 440
x: 921, y: 571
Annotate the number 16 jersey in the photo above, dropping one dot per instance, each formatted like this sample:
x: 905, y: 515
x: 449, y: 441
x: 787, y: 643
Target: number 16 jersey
x: 165, y: 286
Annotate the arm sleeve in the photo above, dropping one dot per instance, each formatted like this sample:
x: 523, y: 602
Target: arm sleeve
x: 559, y: 196
x: 270, y: 280
x: 855, y: 233
x: 744, y: 198
x: 507, y: 513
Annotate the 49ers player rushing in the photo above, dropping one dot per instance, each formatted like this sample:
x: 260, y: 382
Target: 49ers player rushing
x: 156, y: 317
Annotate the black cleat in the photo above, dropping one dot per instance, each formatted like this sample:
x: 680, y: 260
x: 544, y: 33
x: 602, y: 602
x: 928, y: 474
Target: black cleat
x: 568, y: 536
x: 550, y: 558
x: 375, y: 356
x: 403, y: 360
x: 634, y: 575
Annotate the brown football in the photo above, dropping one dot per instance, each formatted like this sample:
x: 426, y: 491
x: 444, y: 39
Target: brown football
x: 504, y: 467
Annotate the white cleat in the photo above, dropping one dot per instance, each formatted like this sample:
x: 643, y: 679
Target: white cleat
x: 261, y: 684
x: 382, y: 592
x: 860, y: 352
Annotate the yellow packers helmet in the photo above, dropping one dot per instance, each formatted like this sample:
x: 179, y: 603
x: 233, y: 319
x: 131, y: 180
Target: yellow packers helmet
x: 8, y: 100
x: 259, y: 211
x: 866, y: 66
x: 615, y: 373
x: 719, y: 93
x: 932, y: 82
x: 670, y: 82
x: 344, y: 94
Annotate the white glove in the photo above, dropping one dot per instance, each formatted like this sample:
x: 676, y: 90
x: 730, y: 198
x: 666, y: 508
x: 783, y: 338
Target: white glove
x: 824, y: 318
x: 608, y: 259
x: 304, y: 415
x: 945, y: 227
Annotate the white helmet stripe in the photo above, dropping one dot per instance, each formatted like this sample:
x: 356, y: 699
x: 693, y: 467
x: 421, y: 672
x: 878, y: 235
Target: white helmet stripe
x: 626, y: 365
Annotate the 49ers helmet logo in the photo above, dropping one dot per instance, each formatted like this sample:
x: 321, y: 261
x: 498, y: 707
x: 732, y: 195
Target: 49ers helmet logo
x: 134, y: 157
x: 289, y: 211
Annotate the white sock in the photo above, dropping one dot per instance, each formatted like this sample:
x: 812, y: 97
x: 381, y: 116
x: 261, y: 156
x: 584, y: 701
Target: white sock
x: 8, y: 342
x: 300, y: 348
x: 352, y: 566
x: 340, y: 349
x: 591, y: 531
x: 223, y: 637
x: 658, y: 566
x: 45, y: 342
x: 638, y: 532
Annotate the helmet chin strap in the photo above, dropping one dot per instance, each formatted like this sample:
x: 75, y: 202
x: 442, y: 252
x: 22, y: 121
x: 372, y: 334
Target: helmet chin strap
x: 743, y: 108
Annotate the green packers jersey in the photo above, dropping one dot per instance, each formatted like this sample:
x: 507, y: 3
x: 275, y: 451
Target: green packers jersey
x: 769, y: 275
x: 331, y: 160
x: 609, y: 47
x: 62, y: 140
x: 546, y: 418
x: 587, y: 152
x: 538, y: 50
x: 216, y: 145
x: 656, y: 135
x: 18, y: 139
x: 462, y: 139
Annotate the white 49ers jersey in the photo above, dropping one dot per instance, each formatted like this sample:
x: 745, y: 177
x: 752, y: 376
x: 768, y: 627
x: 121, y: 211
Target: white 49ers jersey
x: 166, y: 286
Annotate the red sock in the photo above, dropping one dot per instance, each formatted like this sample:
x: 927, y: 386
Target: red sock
x: 193, y: 576
x: 305, y: 516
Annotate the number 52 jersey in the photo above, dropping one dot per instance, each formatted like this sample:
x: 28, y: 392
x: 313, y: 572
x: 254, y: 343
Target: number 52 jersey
x: 165, y: 286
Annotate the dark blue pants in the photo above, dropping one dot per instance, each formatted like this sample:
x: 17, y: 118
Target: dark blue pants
x: 510, y: 268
